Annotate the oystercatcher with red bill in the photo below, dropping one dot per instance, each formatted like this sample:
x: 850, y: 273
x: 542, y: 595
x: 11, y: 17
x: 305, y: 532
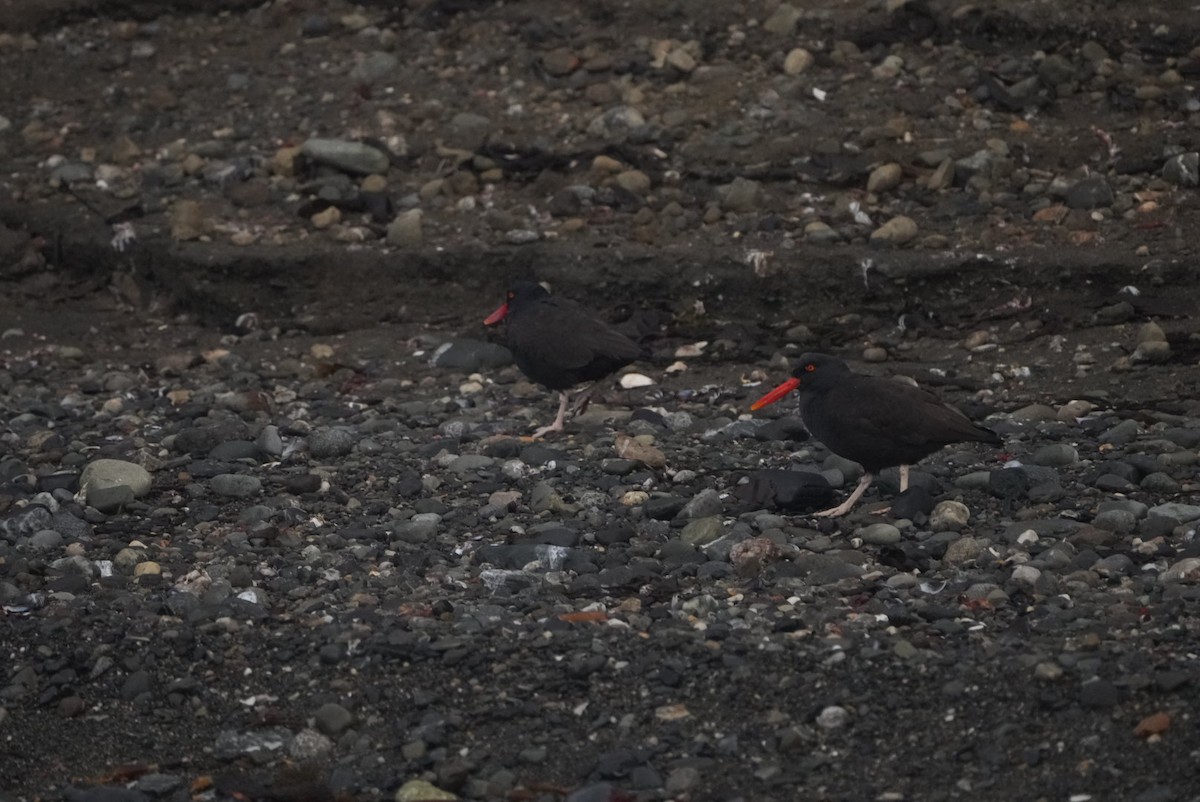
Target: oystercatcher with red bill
x: 873, y: 421
x: 559, y: 344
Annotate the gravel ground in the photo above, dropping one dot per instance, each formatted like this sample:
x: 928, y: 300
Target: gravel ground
x: 269, y: 529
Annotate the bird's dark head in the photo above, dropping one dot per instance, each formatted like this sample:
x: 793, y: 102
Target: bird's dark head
x: 812, y: 372
x: 518, y: 295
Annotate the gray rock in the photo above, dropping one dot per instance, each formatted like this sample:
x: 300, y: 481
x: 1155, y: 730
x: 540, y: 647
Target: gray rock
x: 1183, y: 170
x: 71, y: 173
x: 109, y: 499
x: 1119, y: 521
x: 46, y: 539
x: 157, y: 784
x: 309, y: 745
x: 615, y: 124
x: 337, y: 441
x: 1161, y: 483
x: 1056, y: 69
x: 332, y: 718
x: 885, y: 177
x: 470, y: 355
x: 783, y: 20
x: 1026, y: 575
x: 1093, y: 192
x: 879, y: 534
x: 1099, y: 693
x: 1183, y: 513
x: 233, y: 450
x: 949, y: 516
x: 1055, y: 455
x: 702, y: 531
x: 741, y: 195
x: 964, y: 549
x: 231, y: 745
x: 468, y: 131
x: 355, y: 158
x: 1123, y: 433
x: 106, y: 473
x: 899, y: 230
x: 374, y: 67
x: 71, y: 527
x: 235, y: 485
x: 269, y: 442
x: 704, y: 504
x: 469, y: 463
x: 405, y: 230
x: 1185, y: 570
x: 1153, y: 351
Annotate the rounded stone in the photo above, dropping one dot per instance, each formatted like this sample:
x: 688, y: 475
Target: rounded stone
x: 900, y: 230
x: 880, y: 534
x: 949, y: 516
x: 337, y: 441
x: 106, y: 473
x: 235, y: 485
x: 332, y: 718
x: 885, y: 177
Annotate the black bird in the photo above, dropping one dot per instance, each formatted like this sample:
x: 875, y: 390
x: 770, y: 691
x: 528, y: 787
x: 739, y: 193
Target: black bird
x: 559, y: 344
x: 873, y: 421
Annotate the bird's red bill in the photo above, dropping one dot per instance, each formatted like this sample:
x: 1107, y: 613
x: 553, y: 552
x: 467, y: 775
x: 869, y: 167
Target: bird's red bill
x: 497, y: 316
x: 776, y: 394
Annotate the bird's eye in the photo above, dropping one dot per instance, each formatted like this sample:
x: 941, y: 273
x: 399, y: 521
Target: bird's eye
x: 810, y: 367
x: 511, y: 295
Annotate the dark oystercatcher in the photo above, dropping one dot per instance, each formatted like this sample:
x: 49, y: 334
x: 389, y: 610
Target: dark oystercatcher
x: 559, y: 344
x: 874, y: 421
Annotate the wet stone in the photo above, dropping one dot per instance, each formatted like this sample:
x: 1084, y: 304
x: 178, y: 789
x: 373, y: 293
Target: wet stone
x: 235, y: 485
x: 1055, y: 455
x: 1183, y: 170
x: 1119, y: 521
x: 1090, y: 193
x: 332, y: 718
x: 1009, y: 483
x: 356, y: 158
x: 879, y: 534
x: 1114, y: 484
x: 109, y: 499
x: 702, y: 531
x: 1099, y: 693
x: 704, y: 504
x: 260, y: 744
x: 106, y: 473
x: 1160, y: 483
x: 336, y: 441
x: 1183, y: 513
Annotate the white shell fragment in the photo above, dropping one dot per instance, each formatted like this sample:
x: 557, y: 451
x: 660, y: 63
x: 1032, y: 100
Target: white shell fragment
x: 690, y: 350
x: 632, y: 380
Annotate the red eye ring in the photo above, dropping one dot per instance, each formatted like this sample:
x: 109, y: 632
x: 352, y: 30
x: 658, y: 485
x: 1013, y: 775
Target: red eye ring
x: 810, y: 367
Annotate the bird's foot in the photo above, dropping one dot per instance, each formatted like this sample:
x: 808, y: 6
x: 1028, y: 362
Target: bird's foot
x: 545, y: 430
x: 834, y: 512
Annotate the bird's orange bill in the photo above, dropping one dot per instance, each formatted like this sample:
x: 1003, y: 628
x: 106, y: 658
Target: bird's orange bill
x: 497, y: 316
x: 776, y: 394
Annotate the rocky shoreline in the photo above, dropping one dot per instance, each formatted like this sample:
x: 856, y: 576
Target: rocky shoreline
x: 268, y: 528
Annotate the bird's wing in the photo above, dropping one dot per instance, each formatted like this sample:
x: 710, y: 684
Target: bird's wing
x: 914, y: 416
x: 562, y: 331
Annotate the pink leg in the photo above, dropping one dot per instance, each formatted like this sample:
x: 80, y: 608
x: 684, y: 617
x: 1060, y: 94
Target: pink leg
x: 844, y: 507
x: 559, y: 420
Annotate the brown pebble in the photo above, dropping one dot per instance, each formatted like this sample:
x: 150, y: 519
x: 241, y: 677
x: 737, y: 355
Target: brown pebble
x: 1154, y: 724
